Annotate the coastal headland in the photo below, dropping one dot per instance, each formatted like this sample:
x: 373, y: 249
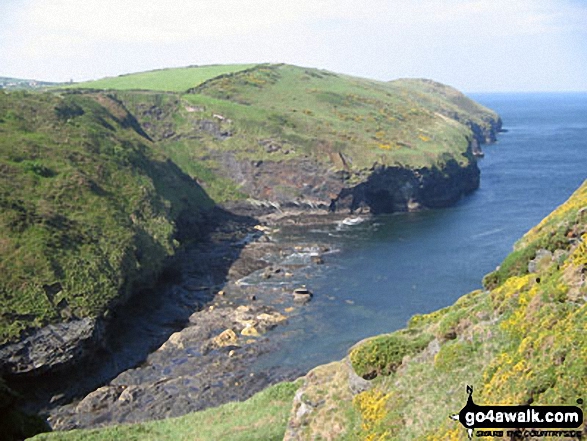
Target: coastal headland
x: 134, y: 205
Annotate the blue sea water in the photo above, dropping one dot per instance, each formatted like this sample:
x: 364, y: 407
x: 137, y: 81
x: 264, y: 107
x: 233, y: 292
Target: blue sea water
x: 395, y: 266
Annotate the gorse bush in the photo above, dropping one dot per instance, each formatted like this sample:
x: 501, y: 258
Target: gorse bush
x: 384, y: 354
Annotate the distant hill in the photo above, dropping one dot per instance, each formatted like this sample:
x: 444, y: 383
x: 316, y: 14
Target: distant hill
x: 283, y: 115
x: 20, y: 84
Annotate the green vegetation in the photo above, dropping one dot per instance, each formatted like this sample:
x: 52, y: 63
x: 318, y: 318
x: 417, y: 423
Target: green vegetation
x: 170, y: 80
x: 89, y: 208
x: 262, y: 417
x: 382, y: 355
x: 446, y: 101
x: 322, y: 114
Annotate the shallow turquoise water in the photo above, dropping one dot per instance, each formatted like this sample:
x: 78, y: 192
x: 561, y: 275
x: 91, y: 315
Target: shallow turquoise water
x: 395, y: 266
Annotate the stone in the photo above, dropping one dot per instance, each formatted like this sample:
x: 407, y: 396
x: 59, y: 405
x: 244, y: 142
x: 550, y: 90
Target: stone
x: 175, y: 340
x: 243, y: 314
x: 541, y: 261
x: 226, y: 338
x: 129, y: 394
x: 51, y: 346
x: 100, y: 398
x: 250, y: 331
x: 275, y: 317
x: 318, y: 260
x: 357, y: 384
x: 302, y: 295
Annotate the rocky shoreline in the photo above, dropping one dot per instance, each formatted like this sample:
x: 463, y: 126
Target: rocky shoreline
x: 194, y: 347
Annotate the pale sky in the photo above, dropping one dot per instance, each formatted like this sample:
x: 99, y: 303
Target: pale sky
x: 474, y: 45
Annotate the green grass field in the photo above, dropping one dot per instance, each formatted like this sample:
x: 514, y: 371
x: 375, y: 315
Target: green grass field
x: 169, y: 80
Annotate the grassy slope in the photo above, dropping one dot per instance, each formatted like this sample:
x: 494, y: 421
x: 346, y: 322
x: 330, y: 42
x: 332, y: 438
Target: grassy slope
x: 522, y: 341
x: 455, y: 104
x: 262, y: 417
x: 319, y: 113
x: 89, y: 207
x: 308, y: 112
x: 171, y: 80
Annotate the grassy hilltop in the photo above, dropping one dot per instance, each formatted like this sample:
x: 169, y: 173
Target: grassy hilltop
x: 169, y: 80
x: 311, y: 112
x: 521, y: 340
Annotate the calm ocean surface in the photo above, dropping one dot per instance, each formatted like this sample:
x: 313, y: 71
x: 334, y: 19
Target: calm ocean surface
x: 393, y: 267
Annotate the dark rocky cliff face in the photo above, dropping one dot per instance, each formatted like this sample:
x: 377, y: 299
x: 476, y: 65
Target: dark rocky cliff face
x: 51, y: 348
x: 381, y: 189
x: 392, y: 189
x: 484, y: 135
x: 301, y: 185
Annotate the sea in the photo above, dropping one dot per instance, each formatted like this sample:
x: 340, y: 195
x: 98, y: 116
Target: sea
x: 383, y: 271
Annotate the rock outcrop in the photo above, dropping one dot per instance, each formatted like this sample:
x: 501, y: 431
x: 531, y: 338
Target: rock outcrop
x: 51, y: 347
x: 303, y: 185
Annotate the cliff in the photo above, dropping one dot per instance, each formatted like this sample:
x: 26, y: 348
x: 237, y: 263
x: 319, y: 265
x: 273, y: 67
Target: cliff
x: 294, y: 138
x: 518, y: 341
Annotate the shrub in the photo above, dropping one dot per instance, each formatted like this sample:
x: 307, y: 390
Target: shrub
x: 384, y: 354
